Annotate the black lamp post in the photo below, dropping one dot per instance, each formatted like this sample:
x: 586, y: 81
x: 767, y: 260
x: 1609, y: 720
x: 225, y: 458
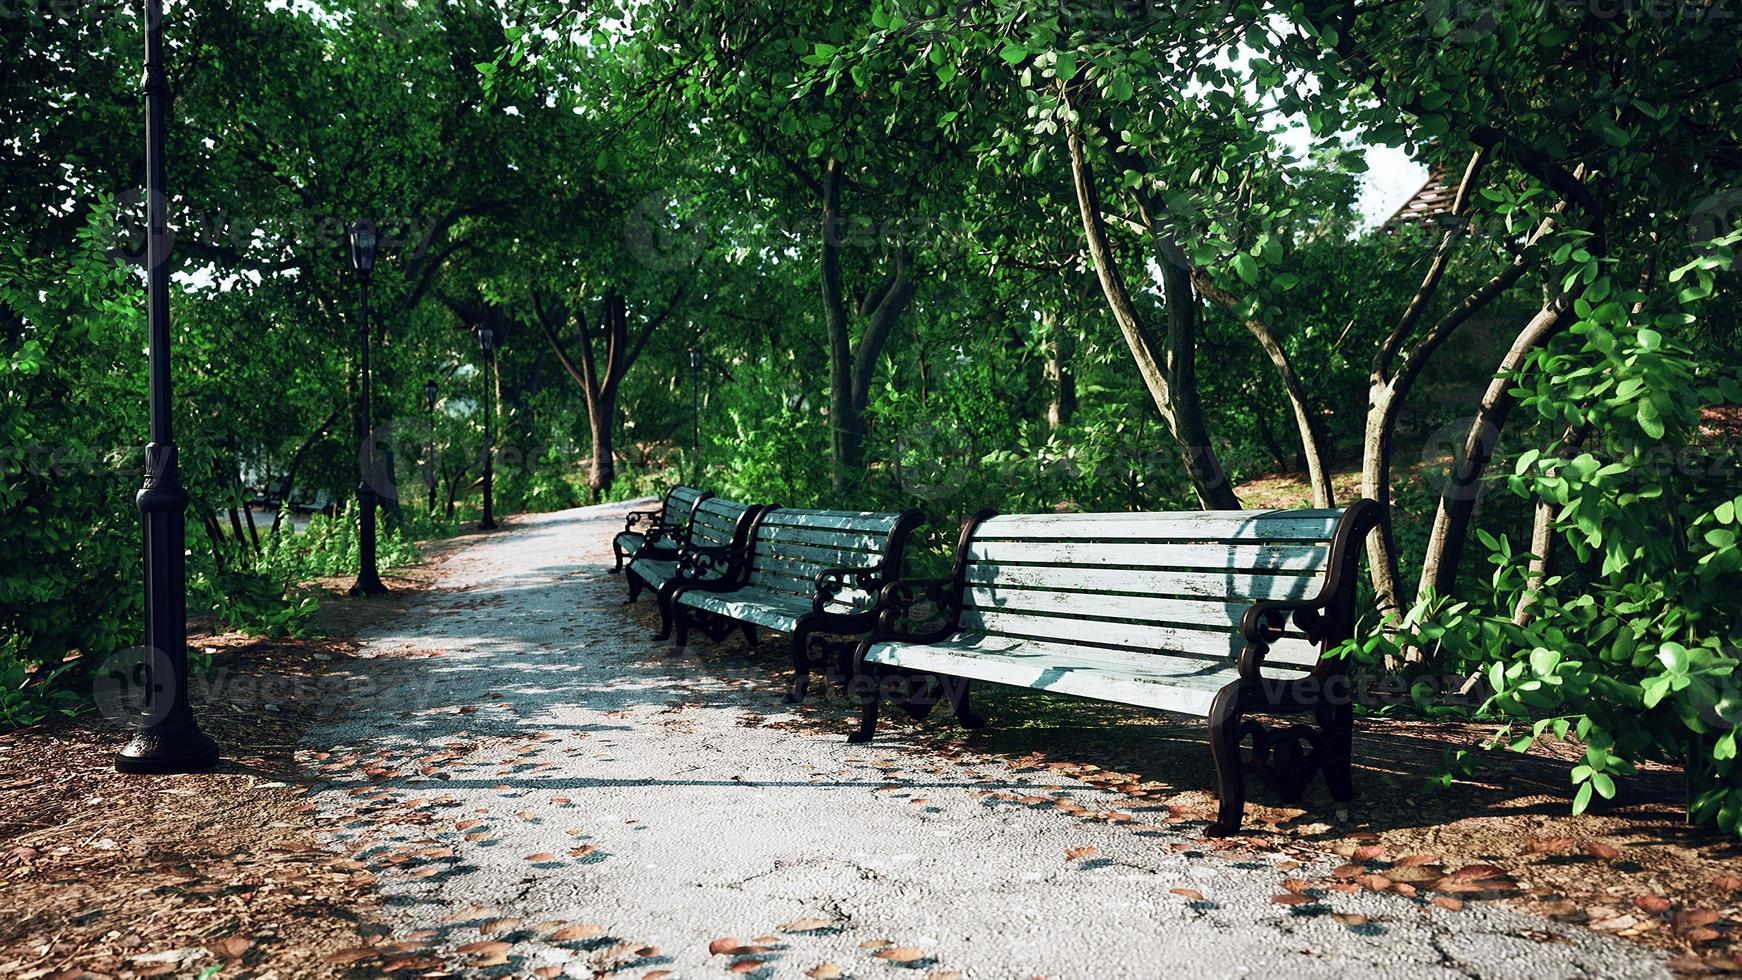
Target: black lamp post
x: 487, y: 341
x: 168, y: 739
x: 695, y: 413
x: 363, y: 241
x: 429, y: 466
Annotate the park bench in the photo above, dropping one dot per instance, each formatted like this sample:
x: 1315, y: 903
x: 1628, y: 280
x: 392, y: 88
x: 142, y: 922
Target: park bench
x: 1217, y: 614
x: 662, y: 527
x: 717, y: 532
x: 807, y: 573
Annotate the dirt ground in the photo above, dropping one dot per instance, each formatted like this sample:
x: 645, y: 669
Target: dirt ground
x: 108, y: 875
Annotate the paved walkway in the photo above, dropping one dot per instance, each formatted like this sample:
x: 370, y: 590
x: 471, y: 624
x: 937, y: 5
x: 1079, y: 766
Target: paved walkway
x: 545, y: 792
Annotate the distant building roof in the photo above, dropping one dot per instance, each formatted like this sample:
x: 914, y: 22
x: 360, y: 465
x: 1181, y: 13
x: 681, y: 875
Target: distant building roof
x: 1427, y: 206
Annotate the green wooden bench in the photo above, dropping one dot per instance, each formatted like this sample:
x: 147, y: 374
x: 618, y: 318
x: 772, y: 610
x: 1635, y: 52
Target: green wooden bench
x: 717, y: 533
x: 1217, y: 614
x: 806, y: 573
x: 662, y: 527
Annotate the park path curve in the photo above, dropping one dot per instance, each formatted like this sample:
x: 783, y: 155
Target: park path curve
x: 516, y: 757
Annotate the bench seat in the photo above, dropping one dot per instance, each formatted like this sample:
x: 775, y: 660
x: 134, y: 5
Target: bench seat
x: 1214, y: 614
x: 778, y: 611
x: 717, y: 530
x: 664, y: 527
x: 1141, y: 679
x: 806, y: 573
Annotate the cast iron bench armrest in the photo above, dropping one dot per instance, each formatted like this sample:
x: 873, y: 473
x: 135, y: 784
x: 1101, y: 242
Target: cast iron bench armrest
x: 695, y: 561
x: 830, y: 581
x: 635, y: 517
x: 898, y: 598
x: 1264, y: 622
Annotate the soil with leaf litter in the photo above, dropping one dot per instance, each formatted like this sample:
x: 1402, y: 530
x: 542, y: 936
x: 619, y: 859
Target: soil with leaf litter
x: 108, y: 875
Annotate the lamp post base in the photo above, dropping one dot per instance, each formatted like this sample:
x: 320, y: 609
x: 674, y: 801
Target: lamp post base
x: 369, y: 585
x: 168, y: 750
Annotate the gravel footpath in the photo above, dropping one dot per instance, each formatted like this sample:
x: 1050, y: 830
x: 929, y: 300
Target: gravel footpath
x: 547, y: 792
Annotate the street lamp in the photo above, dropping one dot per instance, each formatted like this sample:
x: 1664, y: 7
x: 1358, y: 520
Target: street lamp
x: 695, y: 413
x: 429, y: 465
x: 487, y: 341
x: 363, y: 241
x: 168, y: 739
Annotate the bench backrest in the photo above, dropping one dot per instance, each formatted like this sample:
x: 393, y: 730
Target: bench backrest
x: 790, y: 547
x: 716, y: 521
x: 680, y: 502
x: 1163, y: 583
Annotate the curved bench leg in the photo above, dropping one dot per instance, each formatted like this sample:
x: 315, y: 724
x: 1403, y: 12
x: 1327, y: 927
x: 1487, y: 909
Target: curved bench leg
x: 664, y: 597
x: 617, y: 549
x: 749, y: 631
x: 1224, y: 724
x: 801, y: 667
x: 863, y: 684
x: 957, y: 689
x: 635, y: 585
x: 1338, y: 722
x: 681, y: 620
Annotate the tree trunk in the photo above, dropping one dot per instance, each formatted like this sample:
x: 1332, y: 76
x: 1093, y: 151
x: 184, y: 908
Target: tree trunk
x: 851, y: 367
x: 1168, y: 373
x: 1306, y: 421
x: 1061, y: 382
x: 1439, y: 569
x: 603, y: 469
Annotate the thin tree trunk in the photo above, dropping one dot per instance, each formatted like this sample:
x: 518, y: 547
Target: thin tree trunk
x: 1542, y: 533
x: 1439, y: 569
x: 1167, y: 372
x: 852, y: 367
x: 1306, y: 421
x: 1061, y: 382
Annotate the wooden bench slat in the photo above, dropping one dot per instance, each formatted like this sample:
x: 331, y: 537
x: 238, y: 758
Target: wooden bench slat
x: 822, y: 557
x: 870, y: 541
x: 1239, y: 525
x: 1230, y: 557
x: 1161, y: 640
x: 1209, y: 613
x: 844, y: 520
x: 1168, y: 683
x: 1150, y: 581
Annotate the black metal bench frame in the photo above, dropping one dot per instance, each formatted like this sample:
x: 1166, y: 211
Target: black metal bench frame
x: 729, y: 571
x: 658, y: 533
x: 1286, y: 757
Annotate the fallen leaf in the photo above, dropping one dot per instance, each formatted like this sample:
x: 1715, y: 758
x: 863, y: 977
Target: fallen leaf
x: 807, y: 924
x: 1602, y: 852
x: 1654, y: 904
x: 1348, y: 871
x: 1415, y: 860
x: 1368, y: 852
x: 1727, y: 883
x: 1476, y: 872
x: 495, y: 926
x: 1350, y: 919
x: 1374, y: 883
x: 1191, y: 893
x: 1074, y: 853
x: 1291, y: 898
x: 541, y: 857
x: 824, y: 971
x: 1296, y: 885
x: 720, y: 947
x: 485, y: 947
x: 1547, y: 845
x: 1694, y: 918
x: 569, y: 934
x: 1448, y: 903
x: 900, y: 954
